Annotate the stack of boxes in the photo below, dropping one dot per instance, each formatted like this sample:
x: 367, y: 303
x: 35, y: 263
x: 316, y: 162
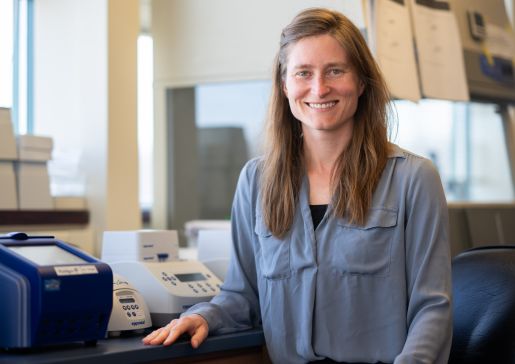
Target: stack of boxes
x: 24, y: 179
x: 8, y: 196
x: 32, y: 173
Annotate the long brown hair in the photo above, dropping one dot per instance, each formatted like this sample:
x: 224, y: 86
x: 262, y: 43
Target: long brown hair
x: 358, y: 168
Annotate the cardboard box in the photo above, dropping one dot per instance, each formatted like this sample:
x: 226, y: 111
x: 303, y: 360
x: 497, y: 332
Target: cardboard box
x: 70, y: 203
x: 33, y: 186
x: 8, y: 197
x: 7, y: 140
x: 34, y: 148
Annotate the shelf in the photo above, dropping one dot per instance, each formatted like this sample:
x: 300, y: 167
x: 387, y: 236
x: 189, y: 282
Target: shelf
x: 44, y: 217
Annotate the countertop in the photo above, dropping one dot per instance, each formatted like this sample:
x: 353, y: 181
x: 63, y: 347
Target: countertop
x: 131, y: 350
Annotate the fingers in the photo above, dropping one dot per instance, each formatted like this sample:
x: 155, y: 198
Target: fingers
x: 195, y: 325
x: 199, y: 336
x: 158, y: 336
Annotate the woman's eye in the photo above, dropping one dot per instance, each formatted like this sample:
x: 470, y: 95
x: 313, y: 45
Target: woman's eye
x: 302, y: 74
x: 335, y: 72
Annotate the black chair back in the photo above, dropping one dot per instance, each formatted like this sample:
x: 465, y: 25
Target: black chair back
x: 484, y: 305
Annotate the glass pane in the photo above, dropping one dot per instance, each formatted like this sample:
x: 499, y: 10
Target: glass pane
x: 464, y: 140
x: 21, y: 101
x: 490, y: 179
x: 229, y: 119
x: 466, y: 143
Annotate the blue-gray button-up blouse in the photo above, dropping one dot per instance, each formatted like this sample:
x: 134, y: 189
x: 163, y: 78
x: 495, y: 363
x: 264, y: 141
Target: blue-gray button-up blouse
x: 380, y: 292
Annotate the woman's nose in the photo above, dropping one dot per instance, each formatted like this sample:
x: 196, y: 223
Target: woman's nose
x: 319, y: 86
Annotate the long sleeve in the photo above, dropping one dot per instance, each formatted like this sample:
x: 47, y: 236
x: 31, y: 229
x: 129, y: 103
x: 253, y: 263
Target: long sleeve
x: 428, y: 270
x: 236, y: 307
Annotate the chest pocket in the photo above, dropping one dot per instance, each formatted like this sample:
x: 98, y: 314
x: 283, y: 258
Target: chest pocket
x: 275, y: 253
x: 366, y: 250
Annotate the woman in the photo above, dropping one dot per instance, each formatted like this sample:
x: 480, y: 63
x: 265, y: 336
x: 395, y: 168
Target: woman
x: 340, y: 238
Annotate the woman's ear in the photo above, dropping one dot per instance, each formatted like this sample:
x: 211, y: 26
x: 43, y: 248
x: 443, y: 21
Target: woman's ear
x: 361, y: 87
x: 285, y: 90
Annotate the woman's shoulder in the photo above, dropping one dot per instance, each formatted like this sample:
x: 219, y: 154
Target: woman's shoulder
x: 249, y: 175
x: 410, y: 163
x: 252, y: 166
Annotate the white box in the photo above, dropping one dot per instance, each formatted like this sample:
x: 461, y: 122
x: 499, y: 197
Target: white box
x: 140, y: 245
x: 34, y: 148
x: 33, y: 186
x: 8, y: 200
x: 7, y: 140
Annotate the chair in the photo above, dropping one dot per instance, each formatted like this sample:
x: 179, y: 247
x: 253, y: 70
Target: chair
x: 484, y: 305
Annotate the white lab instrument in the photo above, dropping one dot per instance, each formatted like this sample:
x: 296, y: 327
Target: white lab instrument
x: 214, y: 250
x: 140, y: 245
x: 169, y: 287
x: 130, y: 312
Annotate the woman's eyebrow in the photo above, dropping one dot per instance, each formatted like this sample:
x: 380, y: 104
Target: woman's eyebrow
x: 302, y: 66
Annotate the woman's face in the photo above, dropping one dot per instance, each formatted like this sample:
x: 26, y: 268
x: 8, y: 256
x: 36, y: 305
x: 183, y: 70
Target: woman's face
x: 321, y: 86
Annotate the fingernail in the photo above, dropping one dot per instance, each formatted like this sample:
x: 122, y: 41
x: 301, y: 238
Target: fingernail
x: 194, y: 343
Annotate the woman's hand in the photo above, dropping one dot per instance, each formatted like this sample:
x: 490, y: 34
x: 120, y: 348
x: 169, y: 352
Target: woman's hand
x: 195, y: 325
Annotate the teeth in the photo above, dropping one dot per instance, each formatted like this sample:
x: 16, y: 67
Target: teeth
x: 322, y: 106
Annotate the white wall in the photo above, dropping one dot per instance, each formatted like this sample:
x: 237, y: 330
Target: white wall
x: 85, y: 98
x: 197, y: 41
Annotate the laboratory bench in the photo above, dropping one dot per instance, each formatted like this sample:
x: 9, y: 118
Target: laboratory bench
x: 243, y: 347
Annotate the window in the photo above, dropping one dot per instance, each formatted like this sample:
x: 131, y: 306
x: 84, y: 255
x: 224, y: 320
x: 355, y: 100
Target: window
x: 6, y: 52
x: 464, y: 140
x: 145, y: 119
x: 16, y: 45
x: 466, y: 143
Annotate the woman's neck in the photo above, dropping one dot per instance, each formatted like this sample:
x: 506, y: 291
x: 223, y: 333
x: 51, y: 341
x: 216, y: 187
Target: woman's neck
x: 321, y: 151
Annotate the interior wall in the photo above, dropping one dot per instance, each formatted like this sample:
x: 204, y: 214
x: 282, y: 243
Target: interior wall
x: 85, y: 98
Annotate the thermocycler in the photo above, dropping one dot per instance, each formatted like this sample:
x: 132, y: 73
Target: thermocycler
x: 52, y: 293
x: 145, y: 259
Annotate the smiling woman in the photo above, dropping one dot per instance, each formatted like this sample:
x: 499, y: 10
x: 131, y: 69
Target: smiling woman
x: 340, y: 238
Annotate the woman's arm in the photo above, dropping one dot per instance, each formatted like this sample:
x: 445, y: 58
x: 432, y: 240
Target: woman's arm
x: 236, y: 307
x: 428, y: 270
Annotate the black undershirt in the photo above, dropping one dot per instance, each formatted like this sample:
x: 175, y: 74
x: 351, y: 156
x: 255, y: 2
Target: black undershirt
x: 317, y: 214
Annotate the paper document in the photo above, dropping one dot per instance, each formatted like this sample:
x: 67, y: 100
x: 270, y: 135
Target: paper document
x: 394, y: 48
x: 440, y: 54
x: 500, y: 42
